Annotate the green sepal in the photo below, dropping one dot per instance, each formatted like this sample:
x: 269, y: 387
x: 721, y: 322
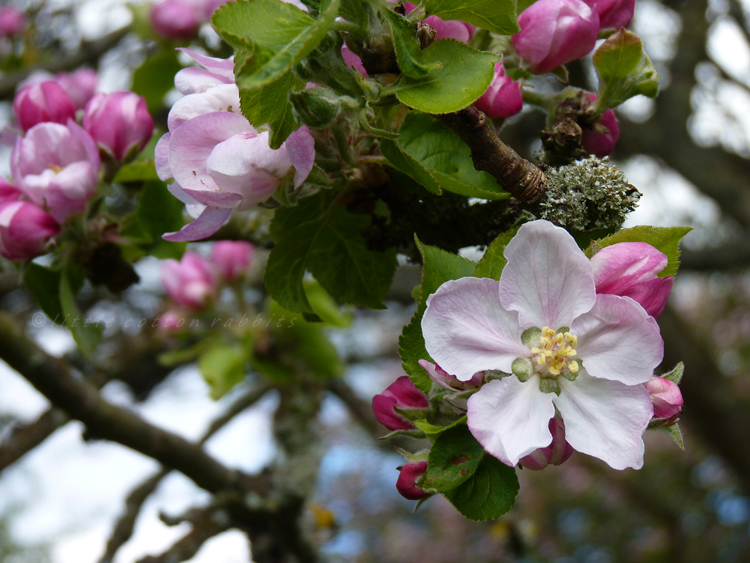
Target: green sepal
x: 675, y: 375
x: 676, y: 434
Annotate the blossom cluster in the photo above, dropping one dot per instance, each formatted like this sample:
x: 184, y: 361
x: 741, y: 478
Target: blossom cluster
x: 558, y: 355
x: 56, y: 161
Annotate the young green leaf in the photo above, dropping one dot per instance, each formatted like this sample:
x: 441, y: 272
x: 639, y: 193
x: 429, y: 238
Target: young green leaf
x: 86, y: 333
x: 409, y: 165
x: 411, y: 349
x: 498, y: 16
x: 492, y: 263
x: 489, y: 493
x: 465, y: 75
x: 44, y: 283
x: 676, y: 434
x: 270, y: 105
x: 408, y: 51
x: 155, y: 77
x: 223, y: 367
x: 664, y: 239
x: 454, y: 457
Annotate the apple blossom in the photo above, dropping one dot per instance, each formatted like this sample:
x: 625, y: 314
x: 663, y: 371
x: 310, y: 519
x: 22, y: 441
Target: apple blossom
x: 503, y: 98
x: 631, y: 269
x: 448, y: 381
x: 571, y: 351
x: 406, y: 484
x: 191, y: 282
x: 42, y: 102
x: 24, y: 230
x: 176, y: 20
x: 556, y: 453
x: 666, y: 398
x: 555, y: 32
x: 12, y: 21
x: 57, y: 167
x: 119, y: 123
x: 402, y: 395
x: 601, y: 144
x: 80, y: 85
x: 8, y: 191
x: 232, y: 258
x: 613, y: 14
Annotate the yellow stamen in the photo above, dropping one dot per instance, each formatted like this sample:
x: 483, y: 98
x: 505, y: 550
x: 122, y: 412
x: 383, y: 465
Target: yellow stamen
x: 555, y: 351
x: 56, y: 169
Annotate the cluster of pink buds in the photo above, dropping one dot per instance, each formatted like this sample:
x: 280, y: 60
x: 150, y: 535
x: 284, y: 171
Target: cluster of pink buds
x: 193, y: 283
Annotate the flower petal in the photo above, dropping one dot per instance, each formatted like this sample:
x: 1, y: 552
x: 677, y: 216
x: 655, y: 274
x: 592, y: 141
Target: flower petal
x: 511, y: 419
x: 193, y: 80
x: 466, y: 329
x: 652, y: 295
x: 161, y: 158
x: 618, y: 340
x: 210, y: 221
x: 548, y: 279
x: 224, y: 98
x: 300, y: 148
x: 221, y: 67
x: 605, y: 419
x: 216, y: 199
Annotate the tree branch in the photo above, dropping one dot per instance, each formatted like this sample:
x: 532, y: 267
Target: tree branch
x: 23, y: 439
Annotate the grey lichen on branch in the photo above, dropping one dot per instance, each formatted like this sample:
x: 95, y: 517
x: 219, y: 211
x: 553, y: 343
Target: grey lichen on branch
x: 519, y: 177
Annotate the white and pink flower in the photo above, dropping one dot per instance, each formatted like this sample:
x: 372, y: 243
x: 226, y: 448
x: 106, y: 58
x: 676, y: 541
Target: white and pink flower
x: 119, y: 123
x: 57, y: 167
x: 191, y: 282
x: 218, y: 160
x: 571, y: 351
x: 232, y: 258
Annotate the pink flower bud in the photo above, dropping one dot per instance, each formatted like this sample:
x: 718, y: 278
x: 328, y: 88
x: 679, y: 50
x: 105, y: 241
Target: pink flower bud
x: 667, y: 399
x: 556, y: 453
x: 444, y: 379
x: 170, y: 321
x: 80, y: 85
x: 12, y: 21
x: 176, y: 20
x: 503, y: 98
x: 613, y: 14
x: 601, y: 144
x: 407, y: 480
x: 232, y: 258
x: 555, y: 32
x: 401, y: 394
x: 57, y: 167
x: 191, y: 282
x: 119, y: 123
x: 353, y: 60
x: 630, y: 269
x: 8, y: 191
x: 24, y: 230
x: 450, y: 29
x: 42, y: 102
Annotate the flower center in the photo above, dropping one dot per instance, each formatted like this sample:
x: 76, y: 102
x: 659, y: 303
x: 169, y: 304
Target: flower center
x: 56, y: 169
x: 554, y: 353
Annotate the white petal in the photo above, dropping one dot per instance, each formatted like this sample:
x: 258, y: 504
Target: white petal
x: 218, y: 98
x: 466, y: 329
x: 605, y: 419
x: 618, y: 340
x: 548, y: 279
x: 511, y: 419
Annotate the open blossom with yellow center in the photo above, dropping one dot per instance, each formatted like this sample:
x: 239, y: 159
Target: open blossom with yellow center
x: 588, y: 369
x: 556, y: 352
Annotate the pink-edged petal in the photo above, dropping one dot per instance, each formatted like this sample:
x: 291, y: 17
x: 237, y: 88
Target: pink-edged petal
x: 300, y: 148
x: 221, y: 67
x: 193, y: 80
x: 511, y: 419
x: 176, y: 190
x: 215, y: 199
x: 225, y: 98
x: 605, y: 419
x: 466, y: 329
x: 624, y: 264
x: 618, y: 340
x: 161, y: 158
x: 548, y: 279
x: 210, y: 221
x: 191, y: 145
x: 652, y: 295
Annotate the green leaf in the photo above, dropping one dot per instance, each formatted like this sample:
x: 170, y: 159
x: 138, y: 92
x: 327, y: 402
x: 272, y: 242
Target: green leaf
x: 624, y: 70
x: 140, y: 171
x: 498, y: 16
x: 407, y: 47
x: 223, y: 367
x: 323, y: 238
x: 675, y: 376
x: 326, y: 308
x: 430, y: 153
x: 454, y: 457
x: 270, y: 105
x: 435, y: 430
x: 492, y: 263
x: 157, y: 212
x: 86, y: 334
x: 438, y: 266
x: 155, y: 77
x: 44, y: 284
x: 676, y: 434
x: 664, y: 239
x: 409, y: 165
x: 298, y: 41
x: 465, y: 75
x: 489, y: 493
